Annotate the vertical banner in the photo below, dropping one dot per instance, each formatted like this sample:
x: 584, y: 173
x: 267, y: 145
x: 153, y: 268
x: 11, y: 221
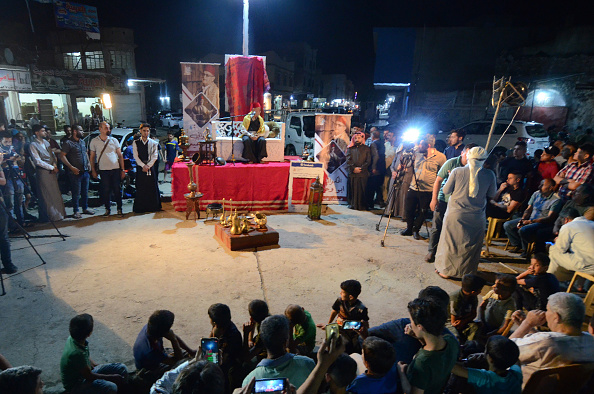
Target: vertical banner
x: 200, y: 100
x: 330, y: 148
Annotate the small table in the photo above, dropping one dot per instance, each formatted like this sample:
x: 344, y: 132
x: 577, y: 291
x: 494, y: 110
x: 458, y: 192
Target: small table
x: 208, y: 152
x: 253, y: 239
x: 193, y: 204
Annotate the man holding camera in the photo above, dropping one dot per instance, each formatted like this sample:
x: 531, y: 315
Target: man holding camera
x: 427, y: 162
x: 9, y: 267
x: 14, y: 189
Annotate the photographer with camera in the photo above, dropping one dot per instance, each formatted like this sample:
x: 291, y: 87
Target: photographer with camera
x: 427, y: 162
x: 14, y: 189
x: 9, y: 267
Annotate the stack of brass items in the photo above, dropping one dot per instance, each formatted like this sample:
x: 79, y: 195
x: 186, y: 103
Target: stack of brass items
x: 260, y: 220
x: 239, y: 224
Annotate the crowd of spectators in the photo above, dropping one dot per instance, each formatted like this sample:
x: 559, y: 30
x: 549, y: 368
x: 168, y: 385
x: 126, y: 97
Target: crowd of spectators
x: 446, y: 343
x: 38, y: 170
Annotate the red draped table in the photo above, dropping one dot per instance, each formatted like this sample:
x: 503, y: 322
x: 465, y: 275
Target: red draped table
x: 252, y: 187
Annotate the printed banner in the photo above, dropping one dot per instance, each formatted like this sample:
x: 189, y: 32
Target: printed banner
x: 76, y: 16
x: 63, y: 81
x: 15, y: 80
x: 330, y: 148
x: 200, y: 100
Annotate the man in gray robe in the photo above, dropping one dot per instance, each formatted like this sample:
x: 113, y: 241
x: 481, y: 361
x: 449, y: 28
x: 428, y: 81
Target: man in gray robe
x: 51, y: 205
x: 463, y: 228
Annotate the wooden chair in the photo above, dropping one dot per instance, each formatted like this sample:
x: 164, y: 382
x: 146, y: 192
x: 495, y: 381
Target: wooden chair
x: 589, y: 298
x: 568, y: 379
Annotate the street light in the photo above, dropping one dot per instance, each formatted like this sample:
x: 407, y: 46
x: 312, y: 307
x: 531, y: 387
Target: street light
x: 246, y: 22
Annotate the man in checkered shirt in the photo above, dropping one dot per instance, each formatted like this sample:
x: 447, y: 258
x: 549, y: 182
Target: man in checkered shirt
x: 576, y: 173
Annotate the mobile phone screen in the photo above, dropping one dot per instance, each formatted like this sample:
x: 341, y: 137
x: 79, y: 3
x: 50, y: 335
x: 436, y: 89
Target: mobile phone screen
x: 332, y: 329
x: 351, y: 325
x: 210, y: 349
x: 269, y: 385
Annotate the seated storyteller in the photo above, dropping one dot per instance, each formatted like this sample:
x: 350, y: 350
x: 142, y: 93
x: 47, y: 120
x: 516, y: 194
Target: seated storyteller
x: 275, y: 333
x: 303, y: 329
x: 508, y: 199
x: 254, y: 142
x: 430, y: 369
x: 495, y: 311
x: 535, y: 285
x: 253, y: 347
x: 80, y: 374
x: 349, y: 307
x: 381, y: 375
x: 503, y: 375
x: 463, y: 304
x: 150, y: 356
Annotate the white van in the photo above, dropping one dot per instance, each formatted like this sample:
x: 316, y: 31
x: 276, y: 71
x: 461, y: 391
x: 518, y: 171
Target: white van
x: 300, y: 131
x: 534, y: 134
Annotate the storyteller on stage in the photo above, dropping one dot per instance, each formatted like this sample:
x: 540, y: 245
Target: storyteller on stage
x: 254, y: 140
x: 358, y: 161
x: 147, y: 188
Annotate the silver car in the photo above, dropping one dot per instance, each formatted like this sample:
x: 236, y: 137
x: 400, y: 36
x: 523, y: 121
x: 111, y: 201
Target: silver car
x: 534, y: 134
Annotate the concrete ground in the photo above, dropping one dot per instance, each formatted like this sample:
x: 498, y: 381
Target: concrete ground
x: 122, y: 269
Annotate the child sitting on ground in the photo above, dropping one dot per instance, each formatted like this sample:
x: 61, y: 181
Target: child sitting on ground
x: 381, y: 375
x: 535, y: 284
x: 495, y: 311
x: 503, y: 376
x: 303, y: 329
x: 430, y: 369
x: 463, y: 304
x: 230, y: 344
x: 79, y: 373
x: 349, y: 307
x: 252, y: 344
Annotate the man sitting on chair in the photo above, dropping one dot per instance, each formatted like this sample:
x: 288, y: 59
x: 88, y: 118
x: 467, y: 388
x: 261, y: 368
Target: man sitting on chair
x: 254, y: 141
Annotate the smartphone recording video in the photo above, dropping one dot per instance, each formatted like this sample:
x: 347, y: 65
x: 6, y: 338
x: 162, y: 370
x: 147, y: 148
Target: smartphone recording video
x: 269, y: 385
x: 351, y: 325
x: 210, y: 349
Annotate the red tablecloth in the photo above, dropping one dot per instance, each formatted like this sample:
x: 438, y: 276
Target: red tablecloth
x: 252, y: 187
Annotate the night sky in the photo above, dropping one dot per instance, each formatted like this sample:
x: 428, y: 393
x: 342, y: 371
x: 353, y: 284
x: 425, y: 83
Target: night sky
x: 168, y: 32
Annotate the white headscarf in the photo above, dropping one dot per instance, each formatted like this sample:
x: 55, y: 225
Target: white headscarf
x: 475, y: 157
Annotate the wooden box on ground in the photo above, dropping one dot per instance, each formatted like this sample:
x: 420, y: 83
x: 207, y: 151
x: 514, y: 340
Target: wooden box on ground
x: 253, y: 239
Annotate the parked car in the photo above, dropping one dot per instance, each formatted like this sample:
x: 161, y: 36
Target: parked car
x: 173, y: 120
x: 534, y: 134
x: 120, y: 134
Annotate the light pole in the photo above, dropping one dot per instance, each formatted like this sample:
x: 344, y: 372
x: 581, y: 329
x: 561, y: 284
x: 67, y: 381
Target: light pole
x: 246, y: 23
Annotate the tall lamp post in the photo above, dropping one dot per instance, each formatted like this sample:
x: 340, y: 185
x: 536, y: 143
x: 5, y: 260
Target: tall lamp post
x: 246, y: 23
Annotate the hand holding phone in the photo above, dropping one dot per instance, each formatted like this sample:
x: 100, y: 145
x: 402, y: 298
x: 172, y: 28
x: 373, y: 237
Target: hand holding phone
x: 210, y: 349
x: 351, y: 325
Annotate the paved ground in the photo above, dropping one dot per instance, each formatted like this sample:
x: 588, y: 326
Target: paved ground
x: 121, y: 270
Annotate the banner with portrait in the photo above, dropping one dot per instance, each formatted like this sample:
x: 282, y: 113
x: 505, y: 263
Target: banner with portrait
x: 330, y: 148
x: 200, y: 100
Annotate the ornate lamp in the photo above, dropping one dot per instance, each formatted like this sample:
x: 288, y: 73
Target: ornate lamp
x: 316, y: 193
x: 183, y: 142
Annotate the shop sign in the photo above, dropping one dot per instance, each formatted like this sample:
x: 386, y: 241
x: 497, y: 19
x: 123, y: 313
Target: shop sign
x: 76, y: 16
x: 15, y: 80
x: 63, y: 81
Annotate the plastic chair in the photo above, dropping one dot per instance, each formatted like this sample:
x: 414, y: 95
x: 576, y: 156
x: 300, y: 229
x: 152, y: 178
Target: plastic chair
x: 494, y: 225
x: 568, y: 379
